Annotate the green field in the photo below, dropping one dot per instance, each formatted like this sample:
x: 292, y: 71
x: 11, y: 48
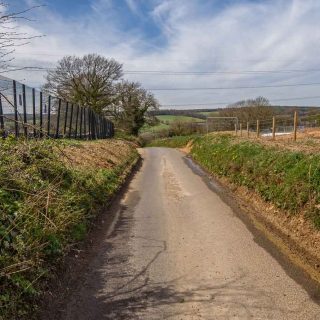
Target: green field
x: 172, y: 118
x: 210, y: 114
x: 158, y: 127
x: 166, y: 120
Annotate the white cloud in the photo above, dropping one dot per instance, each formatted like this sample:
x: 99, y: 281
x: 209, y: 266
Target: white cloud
x: 271, y: 35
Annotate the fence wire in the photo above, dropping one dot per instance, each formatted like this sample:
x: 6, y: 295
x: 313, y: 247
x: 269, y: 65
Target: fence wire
x: 25, y: 111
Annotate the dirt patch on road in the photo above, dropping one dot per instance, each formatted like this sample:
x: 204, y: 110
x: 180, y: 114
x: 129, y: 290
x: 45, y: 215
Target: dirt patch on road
x: 187, y: 148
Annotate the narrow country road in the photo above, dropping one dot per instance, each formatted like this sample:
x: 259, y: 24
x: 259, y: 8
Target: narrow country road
x: 178, y: 251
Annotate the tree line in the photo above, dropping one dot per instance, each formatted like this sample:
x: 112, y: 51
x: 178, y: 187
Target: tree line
x: 92, y: 80
x: 249, y: 110
x: 97, y: 82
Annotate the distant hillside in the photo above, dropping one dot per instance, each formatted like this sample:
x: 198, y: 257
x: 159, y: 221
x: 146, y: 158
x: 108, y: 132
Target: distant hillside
x: 203, y: 113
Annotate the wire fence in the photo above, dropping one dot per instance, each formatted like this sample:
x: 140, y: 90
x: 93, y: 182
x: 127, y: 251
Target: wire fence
x: 277, y: 126
x: 25, y: 111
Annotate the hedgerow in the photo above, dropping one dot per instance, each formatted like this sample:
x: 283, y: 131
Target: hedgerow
x: 289, y: 180
x: 45, y: 207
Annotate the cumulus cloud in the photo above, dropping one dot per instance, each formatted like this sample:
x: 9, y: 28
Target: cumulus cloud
x: 189, y: 36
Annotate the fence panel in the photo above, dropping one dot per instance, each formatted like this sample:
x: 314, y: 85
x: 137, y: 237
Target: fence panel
x: 25, y: 111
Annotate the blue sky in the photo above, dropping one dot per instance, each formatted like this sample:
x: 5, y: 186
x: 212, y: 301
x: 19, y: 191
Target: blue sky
x: 229, y: 37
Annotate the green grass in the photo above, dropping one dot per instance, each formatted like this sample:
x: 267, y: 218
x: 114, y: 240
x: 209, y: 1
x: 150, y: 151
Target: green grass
x: 45, y: 207
x: 165, y: 121
x: 174, y: 142
x: 156, y: 128
x: 172, y: 118
x: 289, y: 180
x: 210, y: 114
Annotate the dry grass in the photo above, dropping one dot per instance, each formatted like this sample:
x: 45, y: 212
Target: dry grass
x: 308, y: 141
x: 49, y: 192
x: 97, y: 154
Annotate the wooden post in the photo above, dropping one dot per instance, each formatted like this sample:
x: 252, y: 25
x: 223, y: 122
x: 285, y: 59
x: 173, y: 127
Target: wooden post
x: 236, y: 129
x: 295, y: 124
x: 273, y: 128
x: 248, y: 132
x: 240, y: 129
x: 258, y: 128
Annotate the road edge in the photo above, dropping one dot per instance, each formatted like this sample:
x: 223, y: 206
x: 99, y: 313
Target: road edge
x: 293, y: 258
x: 69, y: 274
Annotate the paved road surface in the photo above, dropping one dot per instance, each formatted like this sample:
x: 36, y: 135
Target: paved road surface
x: 179, y: 252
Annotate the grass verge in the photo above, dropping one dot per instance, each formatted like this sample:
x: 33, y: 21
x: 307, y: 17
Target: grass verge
x: 290, y: 180
x: 46, y: 203
x: 173, y: 142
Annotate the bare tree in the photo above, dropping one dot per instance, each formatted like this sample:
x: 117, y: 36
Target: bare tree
x: 88, y: 80
x: 132, y: 106
x: 10, y: 35
x: 249, y: 110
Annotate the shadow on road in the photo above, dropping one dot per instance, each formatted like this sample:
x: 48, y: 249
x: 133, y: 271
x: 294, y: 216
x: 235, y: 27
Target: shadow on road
x: 113, y: 288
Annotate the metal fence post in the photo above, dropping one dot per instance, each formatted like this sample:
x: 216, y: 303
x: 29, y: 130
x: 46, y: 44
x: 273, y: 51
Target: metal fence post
x: 98, y: 127
x: 41, y: 115
x: 66, y: 120
x: 34, y: 121
x: 15, y: 105
x: 1, y: 118
x: 24, y: 103
x: 81, y: 115
x: 77, y: 117
x: 89, y: 124
x: 93, y: 126
x: 58, y: 119
x: 104, y: 128
x: 85, y: 122
x: 70, y: 123
x: 49, y: 115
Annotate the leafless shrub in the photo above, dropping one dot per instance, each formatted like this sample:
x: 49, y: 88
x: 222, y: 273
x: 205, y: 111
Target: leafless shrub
x: 10, y: 35
x: 249, y: 110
